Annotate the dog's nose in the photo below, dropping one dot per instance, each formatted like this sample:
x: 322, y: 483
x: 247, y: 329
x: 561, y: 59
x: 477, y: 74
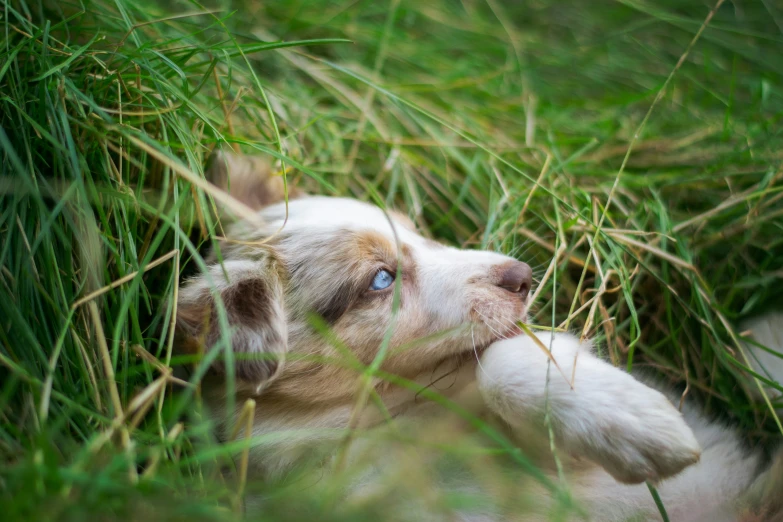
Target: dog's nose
x: 516, y: 277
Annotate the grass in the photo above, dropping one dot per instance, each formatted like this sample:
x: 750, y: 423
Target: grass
x: 499, y: 125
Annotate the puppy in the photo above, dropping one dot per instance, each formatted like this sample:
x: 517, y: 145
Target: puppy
x: 312, y: 294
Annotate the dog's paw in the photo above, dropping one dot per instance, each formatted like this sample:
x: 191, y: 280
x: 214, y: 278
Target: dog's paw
x: 635, y: 434
x: 598, y: 411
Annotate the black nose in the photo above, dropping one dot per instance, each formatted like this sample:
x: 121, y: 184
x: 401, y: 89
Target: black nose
x: 516, y: 277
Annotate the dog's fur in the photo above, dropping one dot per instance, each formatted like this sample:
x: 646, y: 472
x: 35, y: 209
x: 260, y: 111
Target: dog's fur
x: 295, y: 305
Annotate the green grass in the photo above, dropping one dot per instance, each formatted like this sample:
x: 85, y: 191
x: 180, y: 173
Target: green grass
x: 450, y: 111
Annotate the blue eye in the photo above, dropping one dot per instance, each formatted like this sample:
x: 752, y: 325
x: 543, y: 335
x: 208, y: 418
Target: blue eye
x: 383, y: 279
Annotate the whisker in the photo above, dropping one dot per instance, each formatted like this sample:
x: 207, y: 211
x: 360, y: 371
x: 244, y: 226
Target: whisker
x: 475, y: 351
x: 487, y: 323
x: 501, y: 326
x: 507, y: 327
x: 497, y: 322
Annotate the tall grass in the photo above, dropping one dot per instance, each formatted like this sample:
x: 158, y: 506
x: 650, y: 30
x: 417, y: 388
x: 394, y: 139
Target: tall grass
x: 499, y: 125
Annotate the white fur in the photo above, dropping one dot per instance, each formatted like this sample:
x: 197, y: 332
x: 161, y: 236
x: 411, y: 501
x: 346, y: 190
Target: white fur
x: 631, y: 430
x: 611, y: 428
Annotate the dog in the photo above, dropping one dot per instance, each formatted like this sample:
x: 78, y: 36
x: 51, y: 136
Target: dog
x: 315, y: 291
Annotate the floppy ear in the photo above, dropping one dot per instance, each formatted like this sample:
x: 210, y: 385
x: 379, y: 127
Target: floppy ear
x: 251, y: 293
x: 250, y: 179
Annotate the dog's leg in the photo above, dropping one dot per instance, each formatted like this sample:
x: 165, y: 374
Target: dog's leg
x: 726, y: 484
x: 711, y: 490
x: 629, y: 429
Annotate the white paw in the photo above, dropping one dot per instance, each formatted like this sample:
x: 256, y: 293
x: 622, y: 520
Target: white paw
x: 635, y: 434
x: 609, y: 417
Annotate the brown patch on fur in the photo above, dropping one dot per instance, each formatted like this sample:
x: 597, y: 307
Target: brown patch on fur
x: 373, y: 246
x: 348, y: 261
x: 257, y: 329
x: 250, y: 179
x: 247, y: 302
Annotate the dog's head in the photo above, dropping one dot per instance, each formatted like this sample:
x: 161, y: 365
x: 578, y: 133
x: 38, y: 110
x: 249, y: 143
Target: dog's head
x: 340, y: 280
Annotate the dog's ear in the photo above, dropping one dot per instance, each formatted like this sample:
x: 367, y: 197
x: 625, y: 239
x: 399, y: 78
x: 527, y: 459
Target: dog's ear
x: 251, y: 294
x: 250, y: 179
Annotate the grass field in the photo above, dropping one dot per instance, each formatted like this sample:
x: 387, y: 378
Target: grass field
x: 630, y: 151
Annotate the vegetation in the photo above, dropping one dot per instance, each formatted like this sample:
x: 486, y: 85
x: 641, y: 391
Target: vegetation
x: 629, y: 150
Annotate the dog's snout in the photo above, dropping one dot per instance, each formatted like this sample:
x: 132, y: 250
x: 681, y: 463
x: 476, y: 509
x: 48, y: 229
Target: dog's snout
x: 516, y: 277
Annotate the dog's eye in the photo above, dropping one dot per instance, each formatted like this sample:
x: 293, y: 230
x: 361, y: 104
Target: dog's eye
x: 383, y: 279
